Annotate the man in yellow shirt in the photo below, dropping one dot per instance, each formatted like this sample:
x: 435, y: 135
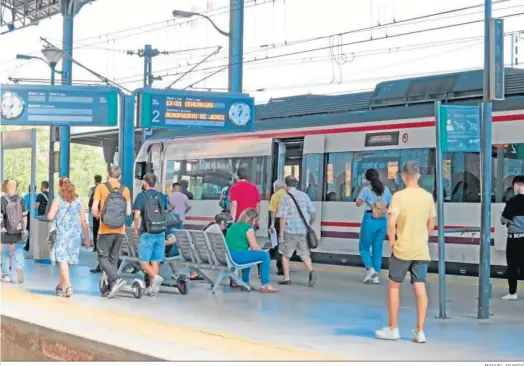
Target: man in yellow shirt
x: 280, y: 189
x: 411, y: 220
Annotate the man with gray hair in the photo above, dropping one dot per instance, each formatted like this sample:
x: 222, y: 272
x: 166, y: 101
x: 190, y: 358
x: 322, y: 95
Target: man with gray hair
x: 293, y: 229
x: 111, y: 205
x: 280, y: 190
x: 411, y: 221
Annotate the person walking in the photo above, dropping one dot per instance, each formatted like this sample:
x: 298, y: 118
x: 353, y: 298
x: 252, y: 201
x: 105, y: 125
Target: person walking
x: 179, y: 203
x: 243, y: 195
x: 95, y: 221
x: 69, y: 220
x: 377, y: 197
x: 513, y: 218
x: 280, y: 190
x: 111, y: 205
x: 411, y: 221
x: 150, y: 225
x: 293, y: 230
x: 14, y: 224
x: 27, y: 202
x: 42, y: 200
x: 184, y: 185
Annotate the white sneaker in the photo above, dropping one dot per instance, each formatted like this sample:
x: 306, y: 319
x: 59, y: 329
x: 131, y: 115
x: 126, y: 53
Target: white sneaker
x: 375, y: 281
x: 419, y: 337
x: 157, y: 281
x: 6, y: 279
x: 388, y: 334
x: 510, y: 297
x: 370, y: 274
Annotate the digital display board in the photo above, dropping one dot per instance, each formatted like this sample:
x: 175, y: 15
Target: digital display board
x: 65, y: 105
x: 381, y: 139
x: 202, y: 110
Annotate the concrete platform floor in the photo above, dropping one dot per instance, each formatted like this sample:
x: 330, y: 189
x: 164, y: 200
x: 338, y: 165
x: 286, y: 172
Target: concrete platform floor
x: 335, y: 320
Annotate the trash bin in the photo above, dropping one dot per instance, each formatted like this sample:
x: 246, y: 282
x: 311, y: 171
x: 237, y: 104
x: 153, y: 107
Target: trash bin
x: 40, y: 248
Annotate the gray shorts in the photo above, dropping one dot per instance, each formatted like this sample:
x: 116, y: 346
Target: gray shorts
x: 294, y: 242
x: 398, y: 268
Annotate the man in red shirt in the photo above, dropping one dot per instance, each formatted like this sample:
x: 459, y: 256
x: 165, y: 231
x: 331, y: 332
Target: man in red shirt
x: 243, y: 195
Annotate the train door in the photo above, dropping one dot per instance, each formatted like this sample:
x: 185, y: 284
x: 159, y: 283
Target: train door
x: 155, y: 163
x: 312, y: 179
x: 287, y: 159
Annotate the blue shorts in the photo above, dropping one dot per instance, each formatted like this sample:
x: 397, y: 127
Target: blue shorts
x: 151, y: 247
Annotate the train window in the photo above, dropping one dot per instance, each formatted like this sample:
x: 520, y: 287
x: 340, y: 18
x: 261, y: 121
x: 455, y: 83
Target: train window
x: 462, y: 177
x: 338, y: 176
x: 508, y: 162
x: 207, y: 177
x: 386, y: 162
x: 313, y: 176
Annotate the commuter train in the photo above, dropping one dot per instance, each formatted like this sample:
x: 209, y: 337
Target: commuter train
x: 328, y: 142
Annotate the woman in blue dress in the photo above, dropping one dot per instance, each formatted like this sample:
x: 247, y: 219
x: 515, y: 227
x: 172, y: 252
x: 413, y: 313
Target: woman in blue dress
x: 69, y: 219
x: 373, y: 229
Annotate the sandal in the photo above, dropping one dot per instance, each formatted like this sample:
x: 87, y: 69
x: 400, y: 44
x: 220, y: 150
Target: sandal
x: 69, y: 292
x: 268, y: 289
x: 58, y: 291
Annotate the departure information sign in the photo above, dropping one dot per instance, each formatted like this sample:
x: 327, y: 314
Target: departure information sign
x: 201, y: 110
x: 60, y: 105
x: 459, y: 127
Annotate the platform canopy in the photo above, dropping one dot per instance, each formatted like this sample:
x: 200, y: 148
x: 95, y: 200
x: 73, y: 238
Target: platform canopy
x: 17, y: 14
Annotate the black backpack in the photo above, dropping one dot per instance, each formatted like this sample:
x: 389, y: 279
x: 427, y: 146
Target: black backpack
x: 14, y: 223
x: 154, y: 215
x: 114, y: 212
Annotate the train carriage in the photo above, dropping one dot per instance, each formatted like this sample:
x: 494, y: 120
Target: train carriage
x: 328, y: 142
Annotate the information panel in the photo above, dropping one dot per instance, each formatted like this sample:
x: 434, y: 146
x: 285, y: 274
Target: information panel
x: 38, y: 105
x: 459, y: 128
x: 201, y: 110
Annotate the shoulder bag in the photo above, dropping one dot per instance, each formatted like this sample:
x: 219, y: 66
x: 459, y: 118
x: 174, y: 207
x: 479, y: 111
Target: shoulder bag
x: 311, y: 236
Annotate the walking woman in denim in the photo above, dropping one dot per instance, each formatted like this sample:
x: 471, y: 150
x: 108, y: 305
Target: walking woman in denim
x: 69, y: 217
x: 373, y: 229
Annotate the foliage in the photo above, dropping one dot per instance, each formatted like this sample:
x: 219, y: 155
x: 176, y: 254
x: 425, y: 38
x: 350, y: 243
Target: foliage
x: 86, y: 161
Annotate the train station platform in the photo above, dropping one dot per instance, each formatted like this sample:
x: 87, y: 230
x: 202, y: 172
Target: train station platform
x: 335, y: 320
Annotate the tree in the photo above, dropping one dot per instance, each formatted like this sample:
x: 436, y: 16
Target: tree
x: 86, y: 161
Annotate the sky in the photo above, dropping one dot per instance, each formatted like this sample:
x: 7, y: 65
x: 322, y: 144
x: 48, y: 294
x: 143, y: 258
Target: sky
x: 277, y: 33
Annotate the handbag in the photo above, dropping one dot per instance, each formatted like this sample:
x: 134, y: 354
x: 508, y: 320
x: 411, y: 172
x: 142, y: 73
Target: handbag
x: 51, y: 238
x: 172, y: 219
x: 311, y: 236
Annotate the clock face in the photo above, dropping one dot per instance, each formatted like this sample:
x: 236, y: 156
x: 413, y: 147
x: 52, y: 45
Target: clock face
x: 240, y: 114
x: 12, y: 105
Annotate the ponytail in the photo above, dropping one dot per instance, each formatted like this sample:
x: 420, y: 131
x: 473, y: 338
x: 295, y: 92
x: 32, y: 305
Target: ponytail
x: 376, y: 184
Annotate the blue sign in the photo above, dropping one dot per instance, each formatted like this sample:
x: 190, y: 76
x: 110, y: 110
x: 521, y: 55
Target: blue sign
x: 496, y: 87
x: 62, y: 105
x: 202, y: 110
x: 459, y: 128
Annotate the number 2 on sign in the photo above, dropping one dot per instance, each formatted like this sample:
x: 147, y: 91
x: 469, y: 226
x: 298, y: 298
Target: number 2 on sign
x: 156, y: 115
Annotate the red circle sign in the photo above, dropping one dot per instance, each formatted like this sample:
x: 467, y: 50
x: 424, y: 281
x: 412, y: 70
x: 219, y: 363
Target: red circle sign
x: 405, y: 137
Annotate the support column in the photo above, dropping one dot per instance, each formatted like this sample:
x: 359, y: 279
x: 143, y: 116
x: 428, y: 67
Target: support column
x: 236, y: 45
x: 486, y: 173
x: 67, y: 69
x: 126, y: 142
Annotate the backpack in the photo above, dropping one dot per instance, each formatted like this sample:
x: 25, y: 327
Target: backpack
x: 115, y: 205
x: 14, y: 223
x: 379, y: 208
x: 154, y: 215
x: 226, y: 201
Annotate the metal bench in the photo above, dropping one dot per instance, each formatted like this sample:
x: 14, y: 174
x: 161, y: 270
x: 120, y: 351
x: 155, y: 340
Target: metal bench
x: 201, y: 251
x: 129, y: 254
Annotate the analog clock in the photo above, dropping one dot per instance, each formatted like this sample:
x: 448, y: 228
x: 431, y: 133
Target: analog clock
x: 240, y: 114
x: 12, y: 105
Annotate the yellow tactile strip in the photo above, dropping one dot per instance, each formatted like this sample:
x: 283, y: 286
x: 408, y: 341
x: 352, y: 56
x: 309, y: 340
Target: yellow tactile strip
x: 227, y: 344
